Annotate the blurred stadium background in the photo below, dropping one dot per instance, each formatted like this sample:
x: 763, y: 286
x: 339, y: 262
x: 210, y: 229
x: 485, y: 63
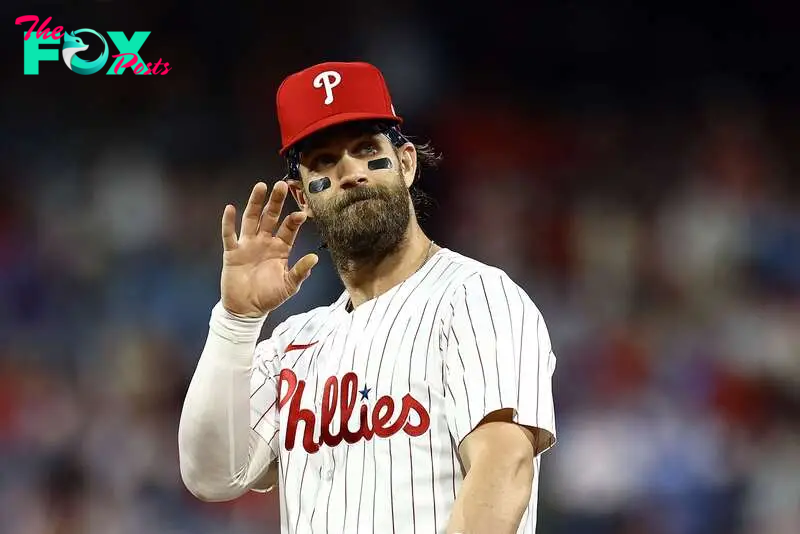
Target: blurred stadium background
x: 634, y: 168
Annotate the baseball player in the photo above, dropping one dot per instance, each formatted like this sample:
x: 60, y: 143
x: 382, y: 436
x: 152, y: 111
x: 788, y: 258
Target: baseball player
x: 420, y: 401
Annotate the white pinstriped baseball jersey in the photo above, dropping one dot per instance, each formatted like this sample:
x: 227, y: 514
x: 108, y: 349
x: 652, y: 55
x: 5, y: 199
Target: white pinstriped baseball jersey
x: 411, y: 372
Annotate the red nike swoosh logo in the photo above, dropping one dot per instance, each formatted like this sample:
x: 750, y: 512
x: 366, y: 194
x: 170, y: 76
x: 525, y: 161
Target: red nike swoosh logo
x: 301, y: 346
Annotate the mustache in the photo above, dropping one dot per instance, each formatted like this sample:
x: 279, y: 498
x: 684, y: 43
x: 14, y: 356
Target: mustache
x: 357, y: 194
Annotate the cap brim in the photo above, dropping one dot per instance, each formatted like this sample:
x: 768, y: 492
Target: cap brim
x: 333, y: 120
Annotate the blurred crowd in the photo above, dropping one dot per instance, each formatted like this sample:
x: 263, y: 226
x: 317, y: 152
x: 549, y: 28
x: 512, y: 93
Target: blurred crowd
x: 660, y: 240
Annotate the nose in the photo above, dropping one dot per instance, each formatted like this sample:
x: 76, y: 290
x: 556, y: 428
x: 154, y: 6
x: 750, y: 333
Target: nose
x: 352, y: 172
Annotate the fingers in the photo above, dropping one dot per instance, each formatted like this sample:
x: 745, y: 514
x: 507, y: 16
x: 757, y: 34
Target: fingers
x: 302, y: 269
x: 272, y: 211
x: 258, y: 217
x: 291, y: 224
x: 229, y: 238
x: 252, y: 212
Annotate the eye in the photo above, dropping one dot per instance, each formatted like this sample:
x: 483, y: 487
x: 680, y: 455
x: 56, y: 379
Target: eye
x: 367, y: 148
x: 322, y: 161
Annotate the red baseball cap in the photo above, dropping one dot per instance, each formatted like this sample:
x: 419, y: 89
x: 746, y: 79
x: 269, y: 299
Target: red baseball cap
x: 331, y: 93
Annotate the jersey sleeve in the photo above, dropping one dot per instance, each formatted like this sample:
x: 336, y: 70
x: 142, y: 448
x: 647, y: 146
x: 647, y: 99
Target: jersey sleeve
x: 498, y: 355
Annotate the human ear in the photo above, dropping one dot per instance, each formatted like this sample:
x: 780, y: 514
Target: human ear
x: 407, y: 155
x: 299, y: 195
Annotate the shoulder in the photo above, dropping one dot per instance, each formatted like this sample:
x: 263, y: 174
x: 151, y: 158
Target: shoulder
x: 481, y: 285
x: 472, y: 275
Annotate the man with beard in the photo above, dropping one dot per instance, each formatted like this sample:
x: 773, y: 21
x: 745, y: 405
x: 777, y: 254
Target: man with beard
x: 420, y: 400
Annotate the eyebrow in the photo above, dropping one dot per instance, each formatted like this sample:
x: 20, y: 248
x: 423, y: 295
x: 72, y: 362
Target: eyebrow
x: 313, y: 149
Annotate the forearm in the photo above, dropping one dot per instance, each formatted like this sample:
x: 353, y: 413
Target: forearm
x: 215, y: 443
x: 492, y: 498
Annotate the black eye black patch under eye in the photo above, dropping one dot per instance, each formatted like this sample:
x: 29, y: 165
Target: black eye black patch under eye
x: 380, y: 163
x: 320, y: 184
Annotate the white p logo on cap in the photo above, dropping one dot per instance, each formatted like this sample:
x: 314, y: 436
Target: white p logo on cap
x: 328, y: 79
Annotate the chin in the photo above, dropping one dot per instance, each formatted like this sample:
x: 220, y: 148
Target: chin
x: 369, y: 243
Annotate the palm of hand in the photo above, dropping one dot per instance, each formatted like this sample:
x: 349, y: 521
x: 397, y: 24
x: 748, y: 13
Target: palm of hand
x: 256, y: 277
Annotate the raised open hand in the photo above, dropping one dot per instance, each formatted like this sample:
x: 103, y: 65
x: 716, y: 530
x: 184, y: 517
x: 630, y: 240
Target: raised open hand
x: 256, y: 277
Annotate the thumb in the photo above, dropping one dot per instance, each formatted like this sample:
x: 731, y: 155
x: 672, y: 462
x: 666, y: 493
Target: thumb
x: 301, y: 270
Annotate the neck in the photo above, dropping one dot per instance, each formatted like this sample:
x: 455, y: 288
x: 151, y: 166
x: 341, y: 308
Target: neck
x: 365, y: 280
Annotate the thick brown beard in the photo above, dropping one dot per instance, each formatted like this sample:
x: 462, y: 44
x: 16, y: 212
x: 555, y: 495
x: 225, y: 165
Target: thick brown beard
x: 364, y: 224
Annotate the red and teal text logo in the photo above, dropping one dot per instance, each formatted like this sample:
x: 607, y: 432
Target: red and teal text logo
x: 38, y: 47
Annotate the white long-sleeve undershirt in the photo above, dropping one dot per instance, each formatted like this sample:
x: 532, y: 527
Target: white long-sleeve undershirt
x: 221, y: 457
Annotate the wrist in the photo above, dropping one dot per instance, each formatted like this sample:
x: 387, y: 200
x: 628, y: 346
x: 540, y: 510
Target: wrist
x: 243, y: 316
x: 235, y: 327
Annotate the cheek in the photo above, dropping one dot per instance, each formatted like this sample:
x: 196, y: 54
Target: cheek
x: 318, y: 202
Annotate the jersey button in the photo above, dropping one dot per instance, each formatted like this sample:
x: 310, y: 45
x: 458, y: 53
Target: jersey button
x: 328, y: 474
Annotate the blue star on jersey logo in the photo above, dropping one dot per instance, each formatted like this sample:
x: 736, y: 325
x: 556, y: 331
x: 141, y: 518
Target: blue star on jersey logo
x: 365, y: 392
